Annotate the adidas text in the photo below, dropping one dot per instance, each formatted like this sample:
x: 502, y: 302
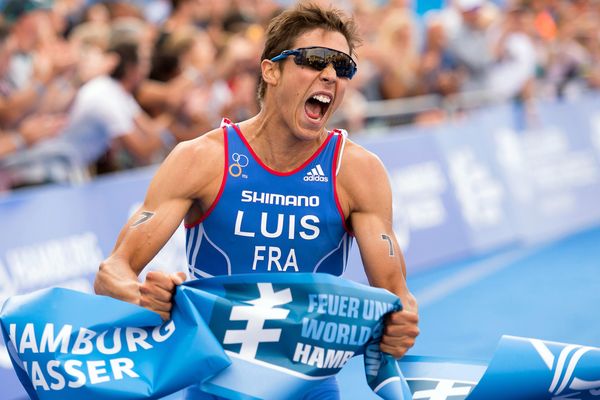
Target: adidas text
x: 316, y: 178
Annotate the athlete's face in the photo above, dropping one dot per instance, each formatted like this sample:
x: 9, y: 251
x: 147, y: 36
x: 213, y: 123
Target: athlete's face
x: 298, y: 86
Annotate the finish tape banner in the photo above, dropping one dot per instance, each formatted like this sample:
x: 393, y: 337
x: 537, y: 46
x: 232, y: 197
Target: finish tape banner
x: 520, y: 369
x: 70, y: 345
x: 293, y: 329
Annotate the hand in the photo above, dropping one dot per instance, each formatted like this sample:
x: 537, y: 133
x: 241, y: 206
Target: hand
x: 156, y: 293
x: 38, y: 127
x: 400, y: 333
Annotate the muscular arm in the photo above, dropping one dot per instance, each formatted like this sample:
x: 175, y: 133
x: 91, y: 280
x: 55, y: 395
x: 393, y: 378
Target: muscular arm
x: 368, y: 201
x: 188, y: 173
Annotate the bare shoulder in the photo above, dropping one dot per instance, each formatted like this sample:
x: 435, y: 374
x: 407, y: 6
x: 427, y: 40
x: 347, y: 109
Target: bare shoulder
x: 208, y: 147
x: 362, y: 178
x: 193, y: 165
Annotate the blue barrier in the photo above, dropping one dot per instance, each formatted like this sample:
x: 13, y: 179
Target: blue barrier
x: 460, y: 189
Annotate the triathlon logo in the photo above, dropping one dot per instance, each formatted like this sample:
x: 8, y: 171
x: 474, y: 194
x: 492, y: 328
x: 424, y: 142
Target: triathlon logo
x: 256, y: 314
x: 316, y: 175
x: 565, y: 369
x: 240, y: 161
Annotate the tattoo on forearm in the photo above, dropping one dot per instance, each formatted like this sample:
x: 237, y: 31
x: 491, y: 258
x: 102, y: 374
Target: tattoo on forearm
x: 144, y: 217
x: 389, y: 240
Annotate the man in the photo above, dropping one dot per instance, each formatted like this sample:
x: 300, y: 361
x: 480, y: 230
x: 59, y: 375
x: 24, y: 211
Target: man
x: 277, y: 192
x: 98, y: 124
x: 470, y: 43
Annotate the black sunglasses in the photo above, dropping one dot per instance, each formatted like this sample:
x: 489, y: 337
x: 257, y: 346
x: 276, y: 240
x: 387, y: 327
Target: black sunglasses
x: 319, y: 58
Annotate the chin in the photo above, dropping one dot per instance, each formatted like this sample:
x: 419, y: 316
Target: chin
x: 308, y: 129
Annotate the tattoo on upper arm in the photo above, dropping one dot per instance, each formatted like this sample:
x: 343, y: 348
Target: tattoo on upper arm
x: 144, y: 217
x: 389, y: 240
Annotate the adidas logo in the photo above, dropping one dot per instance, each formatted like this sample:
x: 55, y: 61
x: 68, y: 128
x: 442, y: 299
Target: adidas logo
x: 316, y: 175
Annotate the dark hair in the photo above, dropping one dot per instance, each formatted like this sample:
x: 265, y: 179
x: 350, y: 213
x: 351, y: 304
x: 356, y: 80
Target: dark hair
x: 290, y: 24
x: 128, y: 55
x: 175, y: 4
x: 4, y: 31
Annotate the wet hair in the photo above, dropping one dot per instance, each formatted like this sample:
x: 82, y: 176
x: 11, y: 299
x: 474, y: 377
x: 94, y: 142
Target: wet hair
x: 291, y: 24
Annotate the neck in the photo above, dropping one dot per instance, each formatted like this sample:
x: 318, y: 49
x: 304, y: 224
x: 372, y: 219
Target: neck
x: 274, y: 142
x: 128, y: 85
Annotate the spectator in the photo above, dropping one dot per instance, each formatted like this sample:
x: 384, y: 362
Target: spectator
x: 97, y: 125
x: 181, y: 81
x: 511, y: 76
x: 203, y: 67
x: 471, y: 44
x: 439, y: 72
x: 104, y: 119
x: 33, y: 129
x: 32, y: 61
x: 26, y: 131
x: 397, y: 57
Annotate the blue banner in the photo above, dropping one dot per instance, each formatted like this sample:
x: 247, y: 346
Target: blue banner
x: 524, y: 369
x: 293, y: 329
x: 70, y: 345
x: 520, y: 369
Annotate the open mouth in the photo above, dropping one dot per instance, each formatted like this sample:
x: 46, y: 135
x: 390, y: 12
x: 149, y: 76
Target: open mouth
x: 317, y: 105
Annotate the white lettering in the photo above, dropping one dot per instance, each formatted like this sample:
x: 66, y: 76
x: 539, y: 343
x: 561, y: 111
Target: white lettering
x: 169, y: 329
x: 52, y: 342
x: 274, y: 256
x: 317, y: 357
x: 263, y: 225
x: 28, y: 340
x: 291, y: 261
x: 315, y: 229
x: 372, y: 359
x: 60, y: 380
x: 257, y: 256
x: 320, y: 357
x: 123, y: 365
x: 116, y: 342
x: 291, y: 227
x: 238, y: 225
x: 312, y: 302
x: 248, y: 196
x: 37, y: 377
x: 83, y: 343
x: 301, y: 353
x: 332, y: 332
x: 136, y: 336
x: 97, y: 372
x: 75, y: 373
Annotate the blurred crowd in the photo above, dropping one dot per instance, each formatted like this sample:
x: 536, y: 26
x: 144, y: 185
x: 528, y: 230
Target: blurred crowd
x: 100, y: 86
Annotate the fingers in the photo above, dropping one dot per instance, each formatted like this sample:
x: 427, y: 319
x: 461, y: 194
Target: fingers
x: 157, y: 292
x: 400, y: 333
x: 178, y: 278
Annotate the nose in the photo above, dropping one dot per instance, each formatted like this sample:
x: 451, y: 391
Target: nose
x: 328, y: 74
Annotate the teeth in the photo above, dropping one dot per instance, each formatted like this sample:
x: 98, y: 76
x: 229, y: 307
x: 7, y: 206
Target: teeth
x: 322, y: 98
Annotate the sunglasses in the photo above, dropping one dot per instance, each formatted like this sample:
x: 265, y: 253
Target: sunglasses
x: 319, y: 58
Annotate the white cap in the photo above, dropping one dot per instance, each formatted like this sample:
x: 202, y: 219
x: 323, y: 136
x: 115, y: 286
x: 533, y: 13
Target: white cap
x: 468, y: 5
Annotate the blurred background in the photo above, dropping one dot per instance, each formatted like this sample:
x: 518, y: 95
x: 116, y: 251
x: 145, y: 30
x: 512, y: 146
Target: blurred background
x: 486, y: 114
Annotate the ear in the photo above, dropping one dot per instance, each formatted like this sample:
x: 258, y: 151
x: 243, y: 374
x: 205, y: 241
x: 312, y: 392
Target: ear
x: 111, y: 60
x: 271, y: 72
